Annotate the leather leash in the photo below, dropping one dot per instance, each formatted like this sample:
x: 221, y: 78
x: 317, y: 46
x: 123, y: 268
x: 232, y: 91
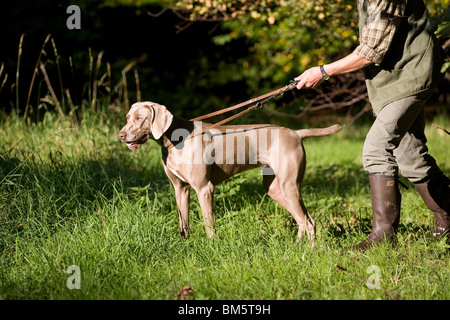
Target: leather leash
x: 260, y: 101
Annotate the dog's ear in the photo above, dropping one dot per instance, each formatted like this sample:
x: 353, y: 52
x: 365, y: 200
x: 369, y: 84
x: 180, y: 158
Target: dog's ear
x: 161, y: 119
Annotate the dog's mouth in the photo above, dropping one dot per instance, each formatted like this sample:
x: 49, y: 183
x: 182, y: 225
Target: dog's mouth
x: 132, y: 145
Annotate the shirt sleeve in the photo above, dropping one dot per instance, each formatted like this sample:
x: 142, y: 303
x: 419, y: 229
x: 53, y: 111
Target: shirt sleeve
x: 383, y: 19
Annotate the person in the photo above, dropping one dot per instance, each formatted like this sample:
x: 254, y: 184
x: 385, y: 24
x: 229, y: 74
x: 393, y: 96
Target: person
x: 401, y: 60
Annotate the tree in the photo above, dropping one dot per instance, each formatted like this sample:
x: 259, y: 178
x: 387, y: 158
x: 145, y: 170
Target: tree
x: 285, y: 37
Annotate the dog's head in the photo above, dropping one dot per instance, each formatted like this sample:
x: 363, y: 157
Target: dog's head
x: 145, y: 120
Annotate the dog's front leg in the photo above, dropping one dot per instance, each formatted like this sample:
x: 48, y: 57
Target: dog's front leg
x: 205, y: 196
x: 182, y: 192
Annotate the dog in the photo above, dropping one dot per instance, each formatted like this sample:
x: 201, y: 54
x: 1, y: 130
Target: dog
x: 196, y: 157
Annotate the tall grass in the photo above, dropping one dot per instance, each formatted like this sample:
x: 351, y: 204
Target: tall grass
x: 71, y: 194
x: 52, y: 84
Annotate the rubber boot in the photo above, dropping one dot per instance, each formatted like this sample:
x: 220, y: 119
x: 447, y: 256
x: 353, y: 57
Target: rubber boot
x: 436, y: 195
x: 386, y: 202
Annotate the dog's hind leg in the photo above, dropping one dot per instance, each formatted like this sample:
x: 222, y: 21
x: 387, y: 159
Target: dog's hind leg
x: 288, y: 195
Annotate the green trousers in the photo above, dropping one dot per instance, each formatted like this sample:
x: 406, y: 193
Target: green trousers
x: 396, y: 141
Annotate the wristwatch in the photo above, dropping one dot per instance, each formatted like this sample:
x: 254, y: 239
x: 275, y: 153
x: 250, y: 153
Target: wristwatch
x: 325, y: 76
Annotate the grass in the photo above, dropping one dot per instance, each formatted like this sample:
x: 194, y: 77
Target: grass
x: 73, y: 195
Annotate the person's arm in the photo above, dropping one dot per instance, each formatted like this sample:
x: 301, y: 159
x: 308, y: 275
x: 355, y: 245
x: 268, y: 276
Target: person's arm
x: 375, y: 39
x: 312, y: 77
x: 348, y: 64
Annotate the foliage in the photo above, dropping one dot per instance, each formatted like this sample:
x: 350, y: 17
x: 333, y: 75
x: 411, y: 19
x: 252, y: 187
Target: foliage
x: 288, y: 36
x: 220, y: 53
x: 443, y: 32
x: 284, y: 36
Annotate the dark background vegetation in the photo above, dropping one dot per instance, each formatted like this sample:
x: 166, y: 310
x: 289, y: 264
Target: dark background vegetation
x: 122, y: 54
x: 168, y: 62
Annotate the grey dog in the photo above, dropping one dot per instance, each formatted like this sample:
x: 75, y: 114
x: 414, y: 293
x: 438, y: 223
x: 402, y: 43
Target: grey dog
x: 201, y: 160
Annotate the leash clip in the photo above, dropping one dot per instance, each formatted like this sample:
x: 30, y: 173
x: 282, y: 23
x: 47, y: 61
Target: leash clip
x: 292, y: 84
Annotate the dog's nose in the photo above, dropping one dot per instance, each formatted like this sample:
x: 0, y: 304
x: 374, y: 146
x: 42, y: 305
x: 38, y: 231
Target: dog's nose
x: 122, y: 135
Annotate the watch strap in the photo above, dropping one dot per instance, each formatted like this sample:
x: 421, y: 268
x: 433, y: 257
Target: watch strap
x: 325, y: 76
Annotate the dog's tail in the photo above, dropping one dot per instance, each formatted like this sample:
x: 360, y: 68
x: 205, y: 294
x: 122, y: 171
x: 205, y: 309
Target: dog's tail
x: 318, y: 132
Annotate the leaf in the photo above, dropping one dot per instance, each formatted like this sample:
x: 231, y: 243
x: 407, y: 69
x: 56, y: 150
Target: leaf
x: 184, y: 292
x: 445, y: 66
x: 443, y: 29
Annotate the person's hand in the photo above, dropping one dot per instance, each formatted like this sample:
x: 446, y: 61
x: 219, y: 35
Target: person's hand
x: 311, y: 78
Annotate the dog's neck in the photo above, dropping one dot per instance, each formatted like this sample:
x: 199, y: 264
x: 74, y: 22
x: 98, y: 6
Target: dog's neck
x: 177, y: 123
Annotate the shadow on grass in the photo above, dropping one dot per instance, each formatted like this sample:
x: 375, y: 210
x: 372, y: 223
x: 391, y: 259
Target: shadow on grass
x: 59, y: 190
x: 321, y: 187
x: 347, y: 229
x: 64, y: 187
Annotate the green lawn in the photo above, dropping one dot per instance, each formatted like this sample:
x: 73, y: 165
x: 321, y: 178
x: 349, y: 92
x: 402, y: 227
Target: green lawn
x: 74, y: 195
